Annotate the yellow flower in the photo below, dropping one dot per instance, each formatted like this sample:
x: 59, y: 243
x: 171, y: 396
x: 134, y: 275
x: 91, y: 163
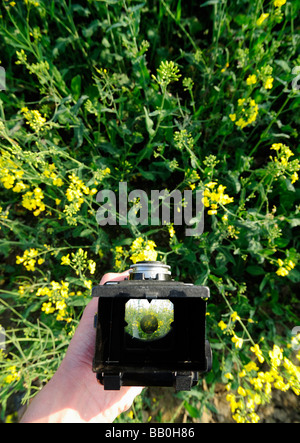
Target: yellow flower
x: 241, y: 123
x: 58, y: 182
x: 212, y: 197
x: 225, y: 67
x: 143, y: 250
x: 283, y: 272
x: 229, y: 376
x: 249, y: 108
x: 212, y: 212
x: 269, y: 83
x: 294, y: 177
x: 33, y: 201
x: 8, y: 181
x: 29, y: 259
x: 211, y: 185
x: 235, y: 316
x: 276, y: 146
x: 19, y: 187
x: 237, y: 341
x: 254, y: 417
x: 48, y: 308
x: 222, y: 325
x: 88, y: 284
x: 279, y: 3
x: 13, y: 376
x: 66, y: 260
x: 130, y: 414
x: 34, y: 119
x: 92, y: 266
x: 241, y: 391
x: 276, y: 356
x: 251, y: 80
x: 232, y: 117
x: 256, y: 350
x: 171, y: 231
x: 262, y: 18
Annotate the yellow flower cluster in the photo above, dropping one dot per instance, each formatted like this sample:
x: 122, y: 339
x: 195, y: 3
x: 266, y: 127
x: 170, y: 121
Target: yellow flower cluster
x: 13, y: 375
x: 31, y: 2
x: 257, y: 352
x: 171, y: 230
x: 143, y: 250
x: 229, y: 329
x: 75, y: 195
x: 247, y: 111
x: 183, y: 139
x: 258, y: 390
x: 213, y: 196
x: 79, y: 262
x: 269, y: 83
x: 281, y: 162
x: 243, y: 412
x: 284, y: 267
x: 263, y: 75
x: 34, y: 119
x: 257, y: 385
x: 33, y: 201
x: 100, y: 174
x: 119, y: 253
x: 251, y: 80
x: 29, y: 259
x: 10, y: 174
x: 57, y: 294
x: 76, y: 190
x: 50, y: 172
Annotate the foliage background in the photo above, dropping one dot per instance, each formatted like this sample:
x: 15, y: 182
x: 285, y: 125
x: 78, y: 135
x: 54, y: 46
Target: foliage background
x: 107, y: 91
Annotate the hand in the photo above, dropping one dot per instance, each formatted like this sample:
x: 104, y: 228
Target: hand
x: 73, y: 394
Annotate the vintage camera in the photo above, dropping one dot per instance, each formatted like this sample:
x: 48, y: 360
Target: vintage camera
x: 150, y: 330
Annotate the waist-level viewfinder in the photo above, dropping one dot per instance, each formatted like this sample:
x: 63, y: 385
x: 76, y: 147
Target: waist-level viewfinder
x: 150, y: 330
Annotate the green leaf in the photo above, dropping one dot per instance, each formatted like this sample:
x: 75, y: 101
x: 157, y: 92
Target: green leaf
x: 89, y: 31
x: 178, y: 11
x: 294, y: 222
x: 255, y: 270
x: 210, y: 2
x: 283, y: 64
x: 86, y: 232
x: 194, y: 412
x: 76, y: 86
x: 211, y: 407
x: 149, y: 123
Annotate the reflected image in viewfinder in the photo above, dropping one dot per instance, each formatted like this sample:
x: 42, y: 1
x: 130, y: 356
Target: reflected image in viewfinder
x: 148, y: 320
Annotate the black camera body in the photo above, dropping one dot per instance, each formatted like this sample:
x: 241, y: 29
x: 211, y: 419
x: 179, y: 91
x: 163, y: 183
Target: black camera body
x: 150, y: 330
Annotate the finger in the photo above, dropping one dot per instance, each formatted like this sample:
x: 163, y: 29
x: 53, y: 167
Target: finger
x: 113, y: 276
